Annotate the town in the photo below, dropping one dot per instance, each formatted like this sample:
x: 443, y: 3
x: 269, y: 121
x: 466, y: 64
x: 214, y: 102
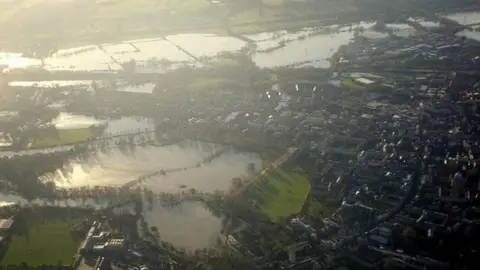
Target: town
x: 347, y: 146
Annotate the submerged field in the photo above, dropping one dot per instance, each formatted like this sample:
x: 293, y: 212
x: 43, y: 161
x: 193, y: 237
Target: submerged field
x: 76, y: 22
x: 282, y: 192
x: 48, y: 242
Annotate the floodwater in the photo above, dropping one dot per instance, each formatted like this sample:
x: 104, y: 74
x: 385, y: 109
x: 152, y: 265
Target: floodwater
x: 11, y: 199
x: 314, y: 49
x: 401, y: 29
x: 30, y: 152
x: 16, y: 60
x: 129, y: 125
x: 210, y: 45
x: 469, y: 34
x: 273, y: 49
x: 71, y: 121
x: 146, y: 88
x: 51, y: 84
x: 425, y: 23
x: 465, y: 17
x: 188, y: 225
x: 116, y: 168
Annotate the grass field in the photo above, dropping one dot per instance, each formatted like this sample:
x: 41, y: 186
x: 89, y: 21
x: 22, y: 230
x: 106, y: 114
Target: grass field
x: 350, y: 84
x: 282, y: 192
x: 69, y: 136
x: 318, y: 209
x: 48, y: 243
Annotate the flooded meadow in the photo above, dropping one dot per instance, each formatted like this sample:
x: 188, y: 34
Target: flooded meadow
x: 183, y: 164
x: 270, y: 49
x: 189, y: 225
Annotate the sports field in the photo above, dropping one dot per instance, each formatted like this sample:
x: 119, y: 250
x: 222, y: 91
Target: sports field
x: 282, y: 192
x: 48, y: 243
x: 64, y: 137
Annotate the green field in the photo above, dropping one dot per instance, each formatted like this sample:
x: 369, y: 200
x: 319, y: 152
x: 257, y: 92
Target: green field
x: 349, y: 83
x: 63, y: 137
x: 282, y: 192
x: 48, y: 243
x: 318, y: 209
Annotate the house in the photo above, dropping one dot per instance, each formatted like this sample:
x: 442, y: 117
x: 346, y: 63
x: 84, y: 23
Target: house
x: 6, y: 224
x: 364, y: 82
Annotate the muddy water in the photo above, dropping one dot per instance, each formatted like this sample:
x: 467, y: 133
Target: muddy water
x: 189, y: 225
x: 116, y: 168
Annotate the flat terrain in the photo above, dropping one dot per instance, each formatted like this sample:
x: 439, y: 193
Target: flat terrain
x: 281, y: 192
x: 42, y: 25
x: 64, y: 137
x: 47, y: 243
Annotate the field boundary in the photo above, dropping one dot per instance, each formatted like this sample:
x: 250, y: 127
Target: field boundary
x: 273, y: 166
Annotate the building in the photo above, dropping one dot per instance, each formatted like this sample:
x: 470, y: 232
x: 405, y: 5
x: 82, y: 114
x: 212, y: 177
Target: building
x: 364, y: 82
x: 6, y: 224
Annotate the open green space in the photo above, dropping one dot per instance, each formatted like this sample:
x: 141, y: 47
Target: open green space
x: 63, y: 137
x: 319, y: 209
x: 281, y: 192
x: 350, y: 83
x: 48, y: 243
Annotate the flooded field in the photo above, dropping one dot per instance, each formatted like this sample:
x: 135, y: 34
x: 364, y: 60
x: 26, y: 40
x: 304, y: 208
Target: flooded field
x: 10, y: 199
x: 183, y: 164
x: 307, y: 46
x: 465, y: 18
x: 271, y: 49
x: 188, y: 225
x: 51, y: 84
x: 469, y: 34
x: 70, y: 121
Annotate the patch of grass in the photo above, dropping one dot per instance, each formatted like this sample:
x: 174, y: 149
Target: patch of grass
x: 64, y: 137
x: 47, y: 243
x: 208, y: 83
x: 320, y: 210
x: 349, y: 83
x: 282, y: 192
x: 274, y: 2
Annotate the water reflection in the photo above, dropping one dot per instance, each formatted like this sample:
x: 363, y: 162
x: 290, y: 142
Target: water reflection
x: 312, y: 49
x: 143, y: 88
x: 469, y: 34
x: 274, y: 49
x: 116, y: 168
x: 129, y: 125
x: 50, y: 84
x: 465, y: 17
x: 211, y: 45
x: 188, y: 225
x: 11, y: 199
x: 16, y: 60
x: 72, y: 121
